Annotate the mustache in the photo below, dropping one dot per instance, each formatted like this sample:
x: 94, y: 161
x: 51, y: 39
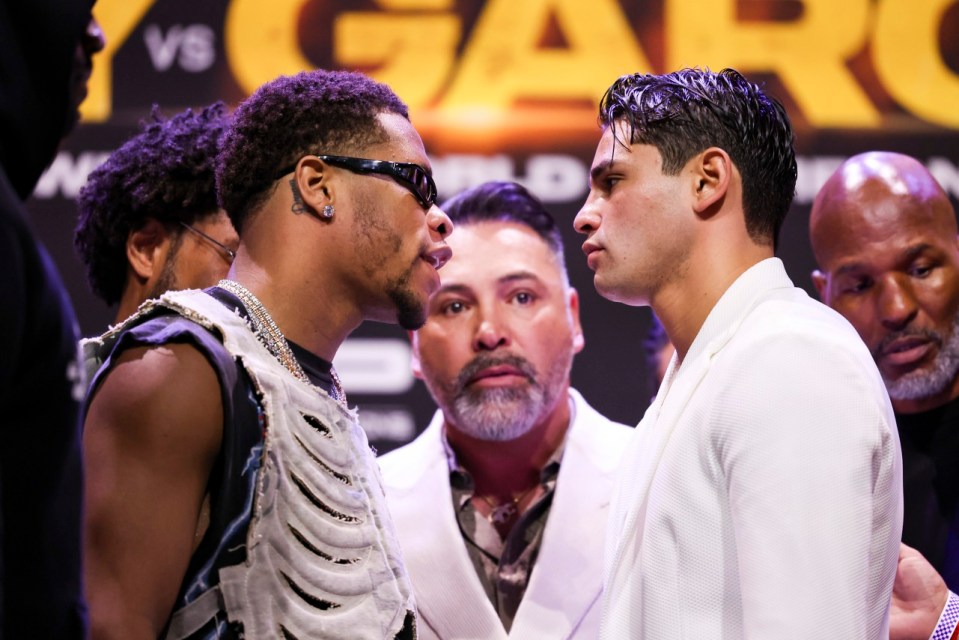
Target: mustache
x: 927, y: 334
x: 485, y: 361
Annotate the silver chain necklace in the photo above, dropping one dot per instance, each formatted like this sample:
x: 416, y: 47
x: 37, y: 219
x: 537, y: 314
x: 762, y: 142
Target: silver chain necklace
x: 273, y: 339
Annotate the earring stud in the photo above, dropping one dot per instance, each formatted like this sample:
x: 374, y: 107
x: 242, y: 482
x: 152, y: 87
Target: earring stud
x: 327, y: 212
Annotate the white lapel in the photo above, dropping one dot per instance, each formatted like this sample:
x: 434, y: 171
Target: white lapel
x: 645, y: 452
x: 654, y: 431
x: 449, y: 597
x: 567, y: 578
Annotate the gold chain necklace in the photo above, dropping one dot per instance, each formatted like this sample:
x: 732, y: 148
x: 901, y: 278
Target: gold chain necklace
x: 503, y: 512
x: 273, y: 339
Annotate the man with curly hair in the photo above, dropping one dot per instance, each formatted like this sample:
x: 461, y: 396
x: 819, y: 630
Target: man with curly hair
x: 761, y: 495
x: 149, y: 221
x: 232, y: 492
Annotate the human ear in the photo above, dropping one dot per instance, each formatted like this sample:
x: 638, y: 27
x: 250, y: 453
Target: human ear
x: 145, y: 248
x: 712, y: 170
x: 313, y: 185
x: 415, y: 355
x: 579, y: 340
x: 821, y: 282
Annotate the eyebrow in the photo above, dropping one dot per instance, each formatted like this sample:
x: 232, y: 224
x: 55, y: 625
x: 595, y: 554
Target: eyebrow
x: 908, y: 256
x: 600, y: 169
x: 518, y: 276
x: 464, y: 289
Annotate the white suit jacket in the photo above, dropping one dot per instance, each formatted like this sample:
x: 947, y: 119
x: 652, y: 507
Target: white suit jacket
x: 562, y: 599
x: 761, y: 496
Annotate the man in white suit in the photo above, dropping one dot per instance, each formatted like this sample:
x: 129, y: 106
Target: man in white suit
x: 761, y: 494
x: 501, y: 503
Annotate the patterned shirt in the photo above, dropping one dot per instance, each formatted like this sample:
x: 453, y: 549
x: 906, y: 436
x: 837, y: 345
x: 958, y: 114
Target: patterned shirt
x: 504, y: 566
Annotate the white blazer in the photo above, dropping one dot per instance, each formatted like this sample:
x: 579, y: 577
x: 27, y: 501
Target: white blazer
x: 562, y: 599
x: 761, y: 496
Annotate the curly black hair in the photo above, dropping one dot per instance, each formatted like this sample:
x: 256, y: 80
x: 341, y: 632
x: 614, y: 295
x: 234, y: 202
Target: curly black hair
x: 165, y: 172
x: 687, y: 111
x: 312, y: 112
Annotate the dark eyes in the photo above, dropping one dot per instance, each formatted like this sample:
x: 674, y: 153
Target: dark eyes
x: 857, y: 286
x: 456, y: 307
x: 453, y: 308
x: 862, y: 284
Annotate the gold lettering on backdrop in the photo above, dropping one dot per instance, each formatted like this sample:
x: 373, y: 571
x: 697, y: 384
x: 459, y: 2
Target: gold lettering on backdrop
x: 422, y: 5
x: 117, y: 18
x: 905, y: 52
x: 413, y: 54
x: 261, y: 41
x: 808, y: 54
x: 502, y: 61
x: 412, y: 44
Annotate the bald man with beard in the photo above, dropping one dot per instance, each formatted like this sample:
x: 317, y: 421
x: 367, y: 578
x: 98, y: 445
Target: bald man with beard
x: 884, y: 235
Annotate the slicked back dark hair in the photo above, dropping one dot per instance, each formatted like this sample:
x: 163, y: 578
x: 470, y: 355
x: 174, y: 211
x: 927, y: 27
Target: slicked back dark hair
x: 687, y: 111
x: 310, y: 113
x: 503, y: 201
x: 164, y: 172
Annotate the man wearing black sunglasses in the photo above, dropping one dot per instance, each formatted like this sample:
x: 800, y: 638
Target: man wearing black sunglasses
x: 232, y: 491
x: 149, y: 221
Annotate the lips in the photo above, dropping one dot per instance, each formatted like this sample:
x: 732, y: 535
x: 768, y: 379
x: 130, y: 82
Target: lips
x: 437, y: 257
x: 591, y: 250
x: 906, y: 350
x: 496, y: 372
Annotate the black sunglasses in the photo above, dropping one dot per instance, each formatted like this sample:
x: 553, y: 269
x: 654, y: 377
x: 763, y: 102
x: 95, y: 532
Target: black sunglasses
x: 411, y: 176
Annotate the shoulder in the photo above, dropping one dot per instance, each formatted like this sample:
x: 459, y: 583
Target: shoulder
x: 794, y: 329
x: 159, y: 399
x: 796, y: 360
x: 600, y: 439
x: 589, y: 419
x: 404, y: 466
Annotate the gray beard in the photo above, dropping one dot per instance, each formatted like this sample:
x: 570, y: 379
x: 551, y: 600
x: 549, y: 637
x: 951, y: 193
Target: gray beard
x: 506, y: 413
x: 923, y: 383
x: 499, y: 414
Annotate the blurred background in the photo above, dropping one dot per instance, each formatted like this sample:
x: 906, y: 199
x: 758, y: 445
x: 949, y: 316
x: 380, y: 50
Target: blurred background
x: 507, y: 89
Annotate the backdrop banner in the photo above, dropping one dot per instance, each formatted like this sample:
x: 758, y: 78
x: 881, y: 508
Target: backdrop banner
x: 508, y: 90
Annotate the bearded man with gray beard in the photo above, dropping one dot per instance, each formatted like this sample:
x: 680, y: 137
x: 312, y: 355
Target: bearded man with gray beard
x: 885, y: 238
x: 501, y: 503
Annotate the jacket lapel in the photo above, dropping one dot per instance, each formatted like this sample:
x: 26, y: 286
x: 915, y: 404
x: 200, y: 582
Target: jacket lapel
x: 756, y: 285
x: 567, y: 578
x: 449, y: 597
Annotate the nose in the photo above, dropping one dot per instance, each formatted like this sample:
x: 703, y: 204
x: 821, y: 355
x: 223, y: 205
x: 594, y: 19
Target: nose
x: 93, y: 39
x: 439, y: 223
x: 896, y: 304
x: 587, y: 220
x: 490, y: 333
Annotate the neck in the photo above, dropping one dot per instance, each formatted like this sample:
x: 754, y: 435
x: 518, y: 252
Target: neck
x: 684, y: 304
x: 301, y: 315
x: 133, y: 295
x: 291, y: 267
x: 508, y: 468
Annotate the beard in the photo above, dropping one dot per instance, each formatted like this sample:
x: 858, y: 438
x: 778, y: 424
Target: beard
x: 379, y: 243
x: 926, y: 381
x: 503, y: 413
x: 167, y: 280
x: 410, y: 310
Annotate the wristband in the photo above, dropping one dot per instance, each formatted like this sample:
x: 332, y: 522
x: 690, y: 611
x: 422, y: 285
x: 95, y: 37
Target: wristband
x: 946, y: 628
